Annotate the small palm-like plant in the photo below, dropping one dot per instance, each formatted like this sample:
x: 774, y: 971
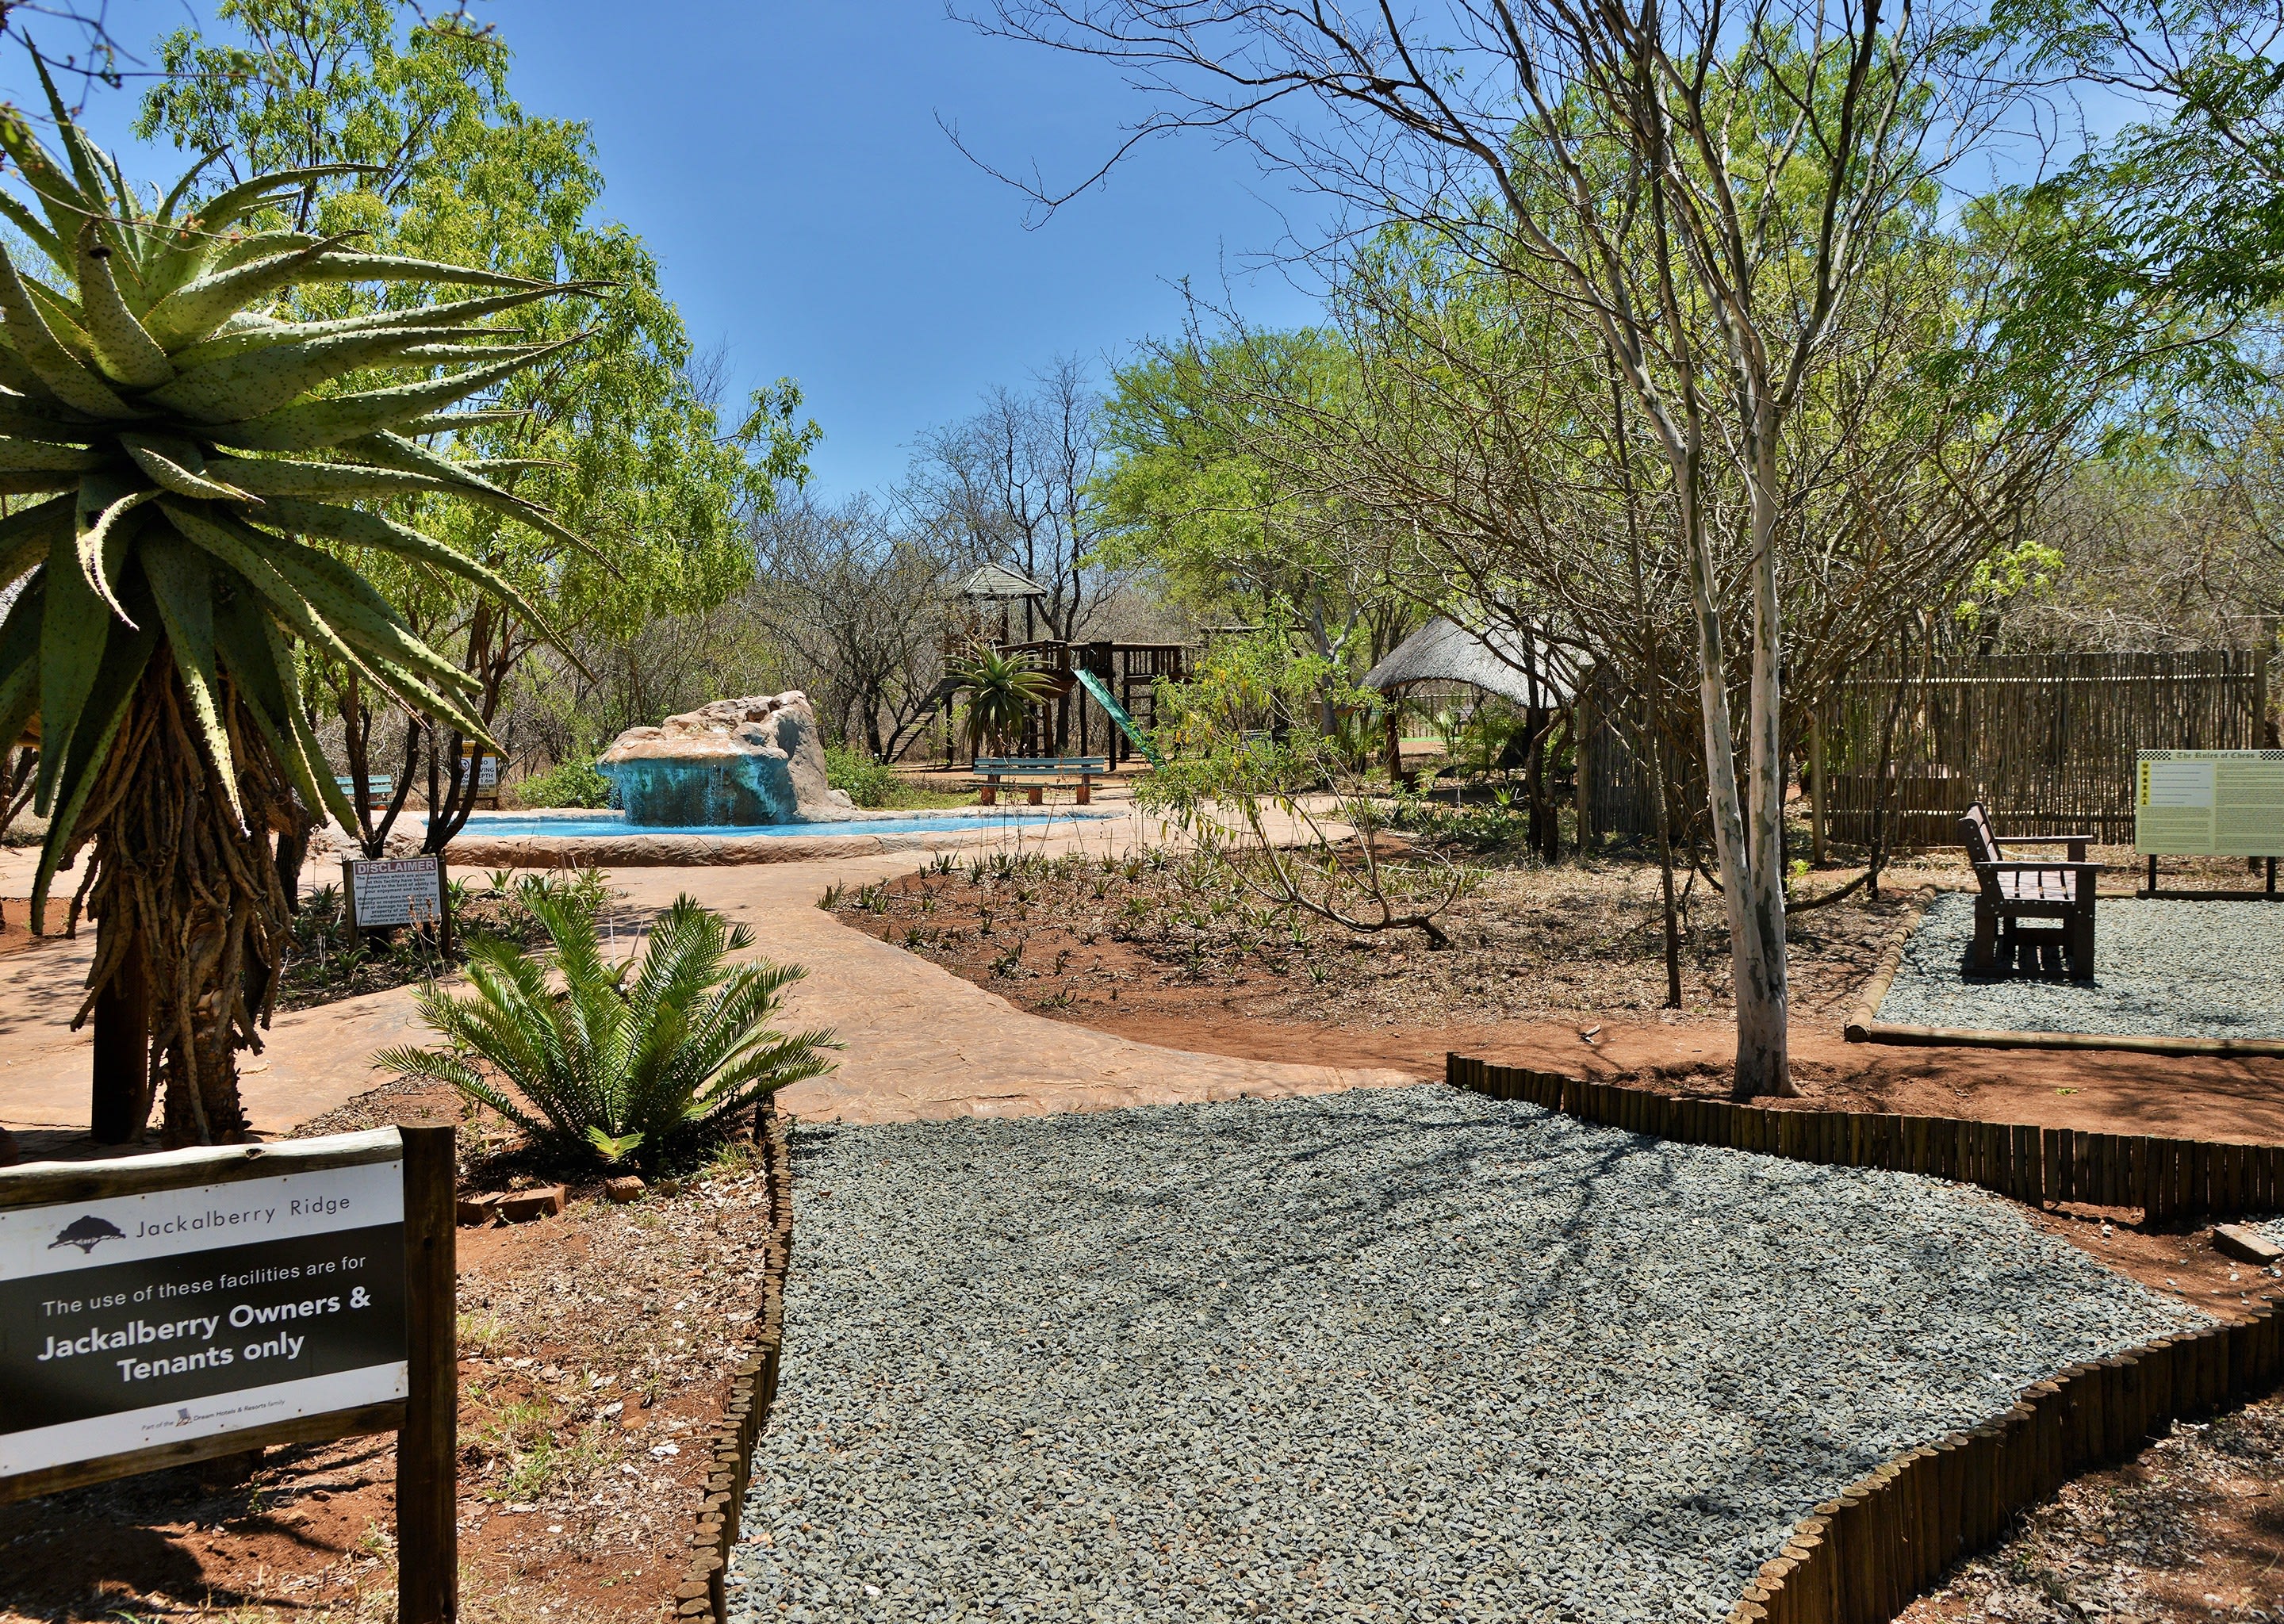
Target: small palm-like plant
x: 194, y: 474
x: 1000, y: 691
x: 614, y: 1060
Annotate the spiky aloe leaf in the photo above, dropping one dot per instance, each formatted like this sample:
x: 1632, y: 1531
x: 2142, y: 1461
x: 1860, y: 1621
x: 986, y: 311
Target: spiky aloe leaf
x: 25, y: 537
x: 104, y: 505
x: 311, y: 425
x: 182, y: 584
x: 39, y: 456
x: 178, y: 467
x: 58, y: 369
x: 260, y: 334
x: 47, y: 420
x: 119, y: 675
x: 75, y: 627
x: 384, y: 534
x: 125, y: 354
x: 464, y: 482
x: 194, y: 310
x: 20, y: 662
x: 266, y: 378
x: 124, y: 379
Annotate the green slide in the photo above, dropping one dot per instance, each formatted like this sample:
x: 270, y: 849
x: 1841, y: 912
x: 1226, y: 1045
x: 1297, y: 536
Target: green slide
x: 1103, y: 697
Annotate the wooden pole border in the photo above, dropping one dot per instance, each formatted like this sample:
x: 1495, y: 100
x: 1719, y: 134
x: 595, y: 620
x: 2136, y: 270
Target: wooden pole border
x: 2170, y: 1180
x: 1869, y: 1031
x: 1863, y: 1557
x: 703, y: 1593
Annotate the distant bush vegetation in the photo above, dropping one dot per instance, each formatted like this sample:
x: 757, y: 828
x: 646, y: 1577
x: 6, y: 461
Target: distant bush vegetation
x: 867, y: 782
x: 566, y: 784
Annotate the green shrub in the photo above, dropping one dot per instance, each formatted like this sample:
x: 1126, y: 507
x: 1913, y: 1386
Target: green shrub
x: 867, y: 782
x: 566, y: 784
x: 627, y: 1058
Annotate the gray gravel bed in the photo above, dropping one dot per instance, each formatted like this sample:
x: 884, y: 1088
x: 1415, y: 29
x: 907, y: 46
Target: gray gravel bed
x: 1393, y: 1354
x: 2161, y: 970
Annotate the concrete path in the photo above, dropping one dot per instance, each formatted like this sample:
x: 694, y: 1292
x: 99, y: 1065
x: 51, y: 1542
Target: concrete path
x: 921, y: 1041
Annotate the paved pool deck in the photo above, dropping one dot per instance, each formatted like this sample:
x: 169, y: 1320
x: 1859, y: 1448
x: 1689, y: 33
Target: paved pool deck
x: 922, y: 1043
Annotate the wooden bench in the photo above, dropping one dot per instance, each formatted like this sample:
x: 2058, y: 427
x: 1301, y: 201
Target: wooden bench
x: 1034, y: 773
x: 2008, y: 891
x: 377, y: 790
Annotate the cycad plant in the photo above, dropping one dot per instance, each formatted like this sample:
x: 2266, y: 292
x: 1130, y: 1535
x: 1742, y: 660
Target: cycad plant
x: 1000, y: 691
x: 604, y: 1061
x: 188, y: 470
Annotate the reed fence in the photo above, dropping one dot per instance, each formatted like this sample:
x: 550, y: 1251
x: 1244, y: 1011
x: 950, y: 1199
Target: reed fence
x: 2045, y: 741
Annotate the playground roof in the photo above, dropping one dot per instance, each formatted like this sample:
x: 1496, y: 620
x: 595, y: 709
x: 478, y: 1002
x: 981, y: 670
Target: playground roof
x: 1500, y: 660
x: 996, y: 581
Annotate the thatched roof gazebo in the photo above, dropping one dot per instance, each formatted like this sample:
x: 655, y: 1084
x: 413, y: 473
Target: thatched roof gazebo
x: 1506, y: 660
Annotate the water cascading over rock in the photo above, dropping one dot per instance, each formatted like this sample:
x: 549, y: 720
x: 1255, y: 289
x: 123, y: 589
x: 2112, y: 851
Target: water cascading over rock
x: 752, y: 761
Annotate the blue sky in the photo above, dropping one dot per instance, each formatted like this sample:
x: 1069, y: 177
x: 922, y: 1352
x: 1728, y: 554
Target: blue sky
x: 783, y: 160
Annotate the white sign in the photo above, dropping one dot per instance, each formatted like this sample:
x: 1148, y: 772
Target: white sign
x: 133, y: 1321
x: 397, y: 890
x: 2209, y: 803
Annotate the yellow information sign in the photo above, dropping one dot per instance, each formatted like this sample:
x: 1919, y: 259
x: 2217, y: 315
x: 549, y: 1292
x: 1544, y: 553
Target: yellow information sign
x: 2208, y: 803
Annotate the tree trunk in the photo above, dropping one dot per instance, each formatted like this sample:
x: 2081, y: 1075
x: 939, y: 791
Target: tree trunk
x: 1762, y: 1054
x: 1760, y: 1064
x: 178, y: 881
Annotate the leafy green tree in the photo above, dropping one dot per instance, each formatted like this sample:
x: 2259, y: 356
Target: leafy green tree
x: 1189, y: 496
x: 191, y: 447
x: 613, y: 438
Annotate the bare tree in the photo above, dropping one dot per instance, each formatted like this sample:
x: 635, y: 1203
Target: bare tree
x: 853, y: 597
x: 1668, y: 173
x: 1014, y: 482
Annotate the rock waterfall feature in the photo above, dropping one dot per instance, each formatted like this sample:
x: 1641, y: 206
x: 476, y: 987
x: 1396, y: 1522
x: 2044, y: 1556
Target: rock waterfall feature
x: 736, y: 761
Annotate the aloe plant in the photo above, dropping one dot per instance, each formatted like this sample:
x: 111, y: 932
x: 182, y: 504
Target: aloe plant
x: 190, y: 473
x: 1000, y: 691
x: 605, y: 1062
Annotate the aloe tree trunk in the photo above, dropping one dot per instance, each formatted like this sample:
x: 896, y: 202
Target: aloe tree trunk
x: 190, y: 897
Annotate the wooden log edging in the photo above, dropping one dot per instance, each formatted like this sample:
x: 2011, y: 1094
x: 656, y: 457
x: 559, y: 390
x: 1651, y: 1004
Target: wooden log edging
x: 1868, y: 1031
x: 1863, y: 1556
x: 703, y: 1593
x: 2169, y: 1179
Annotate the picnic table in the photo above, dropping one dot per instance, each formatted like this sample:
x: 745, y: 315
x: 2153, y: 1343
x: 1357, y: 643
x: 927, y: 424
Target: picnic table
x: 1035, y: 773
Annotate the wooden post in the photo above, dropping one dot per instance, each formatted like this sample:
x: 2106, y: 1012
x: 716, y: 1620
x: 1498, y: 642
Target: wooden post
x: 121, y: 1070
x: 1816, y: 786
x: 427, y: 1450
x: 1582, y: 724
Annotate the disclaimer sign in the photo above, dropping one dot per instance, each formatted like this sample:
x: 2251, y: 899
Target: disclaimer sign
x: 2208, y: 803
x: 395, y: 891
x: 145, y: 1319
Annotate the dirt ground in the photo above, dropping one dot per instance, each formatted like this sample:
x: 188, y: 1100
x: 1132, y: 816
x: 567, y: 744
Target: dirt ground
x: 596, y: 1350
x: 2191, y: 1528
x: 1560, y: 968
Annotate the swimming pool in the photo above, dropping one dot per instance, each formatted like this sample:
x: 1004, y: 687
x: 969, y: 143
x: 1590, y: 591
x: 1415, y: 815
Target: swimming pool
x: 612, y: 826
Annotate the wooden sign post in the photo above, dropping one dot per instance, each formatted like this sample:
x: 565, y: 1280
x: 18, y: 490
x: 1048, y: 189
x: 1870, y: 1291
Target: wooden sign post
x: 164, y: 1309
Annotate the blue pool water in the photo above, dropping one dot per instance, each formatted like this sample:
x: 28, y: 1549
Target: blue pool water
x: 480, y: 827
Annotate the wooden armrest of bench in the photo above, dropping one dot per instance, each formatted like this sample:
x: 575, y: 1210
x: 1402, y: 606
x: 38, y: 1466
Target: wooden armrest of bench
x: 2042, y: 840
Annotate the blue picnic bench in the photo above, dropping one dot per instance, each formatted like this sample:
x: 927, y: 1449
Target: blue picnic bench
x: 1034, y: 773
